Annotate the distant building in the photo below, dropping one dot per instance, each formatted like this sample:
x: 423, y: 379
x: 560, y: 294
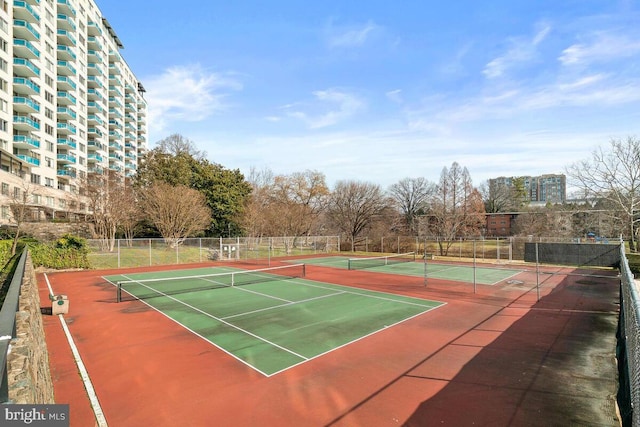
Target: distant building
x: 499, y: 224
x: 549, y: 188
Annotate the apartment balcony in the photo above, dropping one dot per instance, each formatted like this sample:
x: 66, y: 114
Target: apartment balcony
x: 115, y: 80
x: 24, y: 104
x: 94, y: 132
x: 66, y: 173
x: 114, y: 135
x: 65, y: 53
x: 113, y: 91
x: 130, y: 107
x: 65, y: 68
x: 92, y: 119
x: 114, y: 102
x: 95, y: 56
x: 65, y: 129
x: 94, y: 95
x: 94, y: 69
x: 65, y: 98
x: 64, y: 6
x: 114, y: 56
x: 23, y: 10
x: 66, y: 38
x: 114, y: 69
x: 95, y: 158
x: 25, y: 142
x: 129, y: 88
x: 66, y: 159
x: 113, y: 124
x: 25, y: 68
x: 24, y: 86
x: 66, y: 143
x: 94, y: 145
x: 94, y: 29
x: 25, y: 49
x: 24, y: 30
x: 129, y: 136
x: 65, y: 22
x: 94, y: 107
x: 114, y: 157
x: 114, y: 112
x: 94, y: 43
x: 25, y: 124
x: 97, y: 170
x: 29, y: 159
x: 66, y: 113
x: 130, y: 166
x: 66, y: 83
x: 94, y: 82
x: 141, y: 111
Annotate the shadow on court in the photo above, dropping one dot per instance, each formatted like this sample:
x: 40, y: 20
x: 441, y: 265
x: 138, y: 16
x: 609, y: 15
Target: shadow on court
x: 553, y: 366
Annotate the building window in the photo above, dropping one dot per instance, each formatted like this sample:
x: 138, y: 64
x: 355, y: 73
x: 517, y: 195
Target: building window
x: 5, y: 212
x: 5, y: 189
x: 35, y: 178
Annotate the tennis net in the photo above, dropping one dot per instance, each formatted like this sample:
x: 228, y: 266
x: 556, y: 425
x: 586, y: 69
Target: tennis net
x: 149, y: 288
x: 362, y: 263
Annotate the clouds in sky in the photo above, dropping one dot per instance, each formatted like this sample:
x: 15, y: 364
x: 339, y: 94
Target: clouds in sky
x: 526, y: 98
x: 187, y: 93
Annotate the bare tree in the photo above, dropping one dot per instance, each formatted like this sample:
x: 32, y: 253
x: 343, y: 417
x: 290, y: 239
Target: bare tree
x: 613, y: 175
x: 99, y: 190
x: 456, y: 209
x: 354, y: 206
x: 20, y: 209
x: 285, y: 205
x: 177, y: 212
x: 411, y: 196
x: 177, y: 144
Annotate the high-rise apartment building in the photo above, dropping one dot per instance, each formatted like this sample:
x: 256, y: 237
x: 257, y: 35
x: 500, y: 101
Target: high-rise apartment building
x: 70, y: 106
x: 548, y: 188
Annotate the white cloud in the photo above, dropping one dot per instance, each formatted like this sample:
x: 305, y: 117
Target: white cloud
x: 601, y: 47
x: 351, y: 36
x: 395, y: 96
x: 342, y: 105
x: 186, y: 93
x: 521, y: 50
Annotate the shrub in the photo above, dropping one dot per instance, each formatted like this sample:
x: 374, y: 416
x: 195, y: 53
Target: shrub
x: 67, y: 252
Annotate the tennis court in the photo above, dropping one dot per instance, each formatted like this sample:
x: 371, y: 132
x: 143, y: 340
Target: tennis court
x: 270, y: 319
x: 410, y: 265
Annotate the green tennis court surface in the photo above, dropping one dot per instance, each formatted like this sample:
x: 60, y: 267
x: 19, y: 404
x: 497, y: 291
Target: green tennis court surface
x: 459, y: 273
x: 277, y: 324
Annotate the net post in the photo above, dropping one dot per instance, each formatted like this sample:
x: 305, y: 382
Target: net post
x: 119, y: 292
x: 304, y: 270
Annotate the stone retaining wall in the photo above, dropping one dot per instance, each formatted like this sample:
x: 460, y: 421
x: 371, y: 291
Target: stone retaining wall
x: 28, y: 371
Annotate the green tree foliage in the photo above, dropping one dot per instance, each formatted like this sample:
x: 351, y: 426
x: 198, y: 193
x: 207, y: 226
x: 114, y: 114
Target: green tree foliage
x: 226, y: 191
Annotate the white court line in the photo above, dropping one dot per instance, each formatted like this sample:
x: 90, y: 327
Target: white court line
x: 304, y: 282
x: 282, y: 305
x: 93, y: 398
x: 223, y: 321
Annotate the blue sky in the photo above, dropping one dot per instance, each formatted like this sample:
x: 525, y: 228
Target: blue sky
x: 379, y: 91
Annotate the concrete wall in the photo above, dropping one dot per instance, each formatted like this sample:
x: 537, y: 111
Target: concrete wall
x: 29, y: 376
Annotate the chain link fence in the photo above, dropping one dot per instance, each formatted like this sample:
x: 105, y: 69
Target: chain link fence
x: 628, y: 351
x: 123, y: 253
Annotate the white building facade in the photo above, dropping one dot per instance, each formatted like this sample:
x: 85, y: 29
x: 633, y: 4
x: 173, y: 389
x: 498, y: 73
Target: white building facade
x: 70, y: 106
